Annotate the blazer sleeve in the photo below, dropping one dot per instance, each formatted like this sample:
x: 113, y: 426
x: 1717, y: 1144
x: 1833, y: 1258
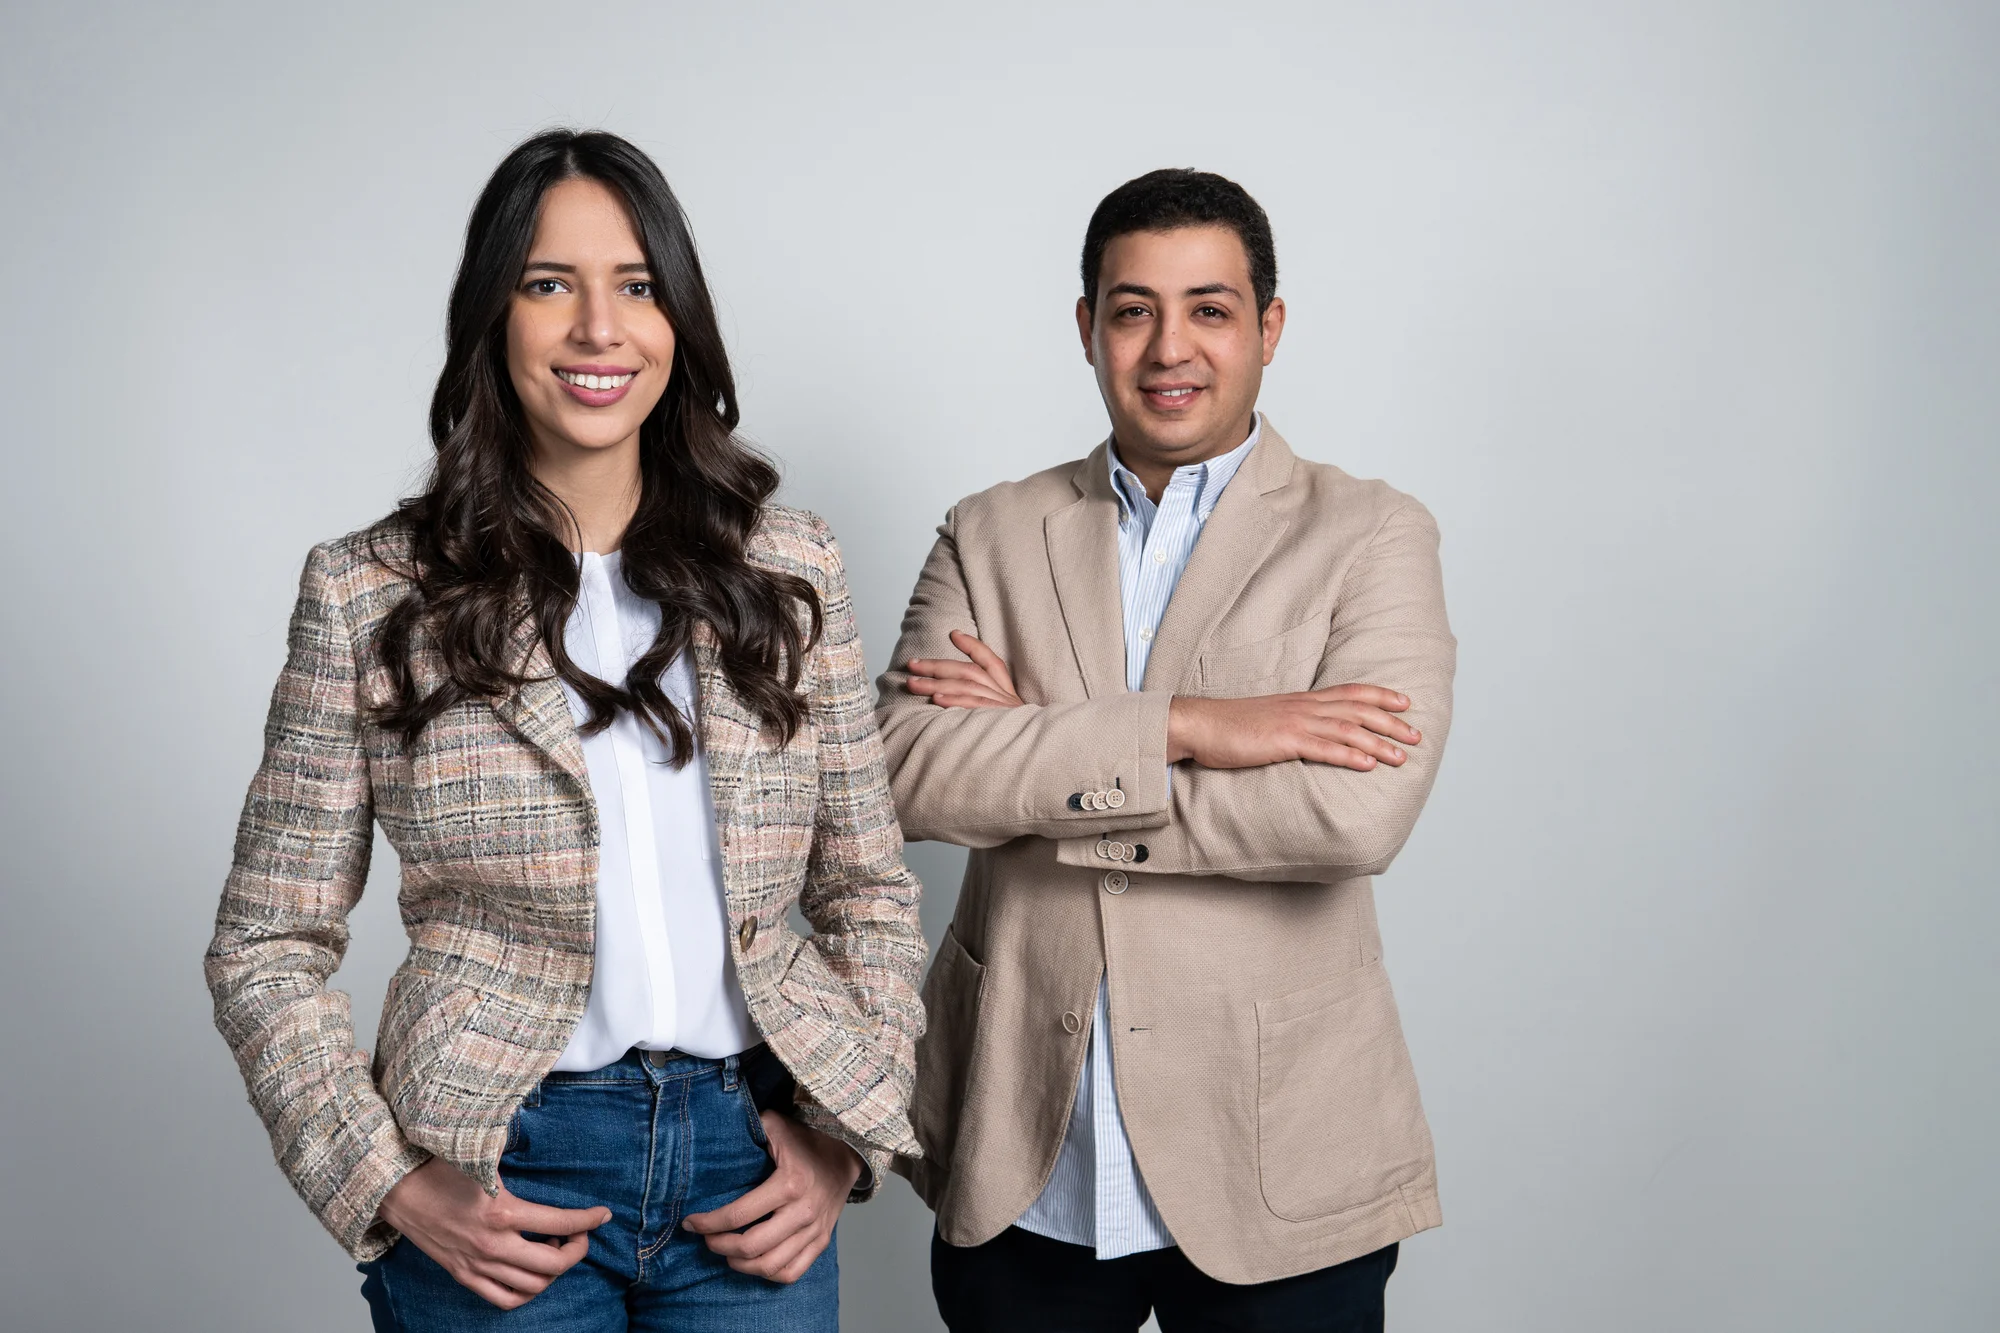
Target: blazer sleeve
x: 982, y: 776
x: 858, y: 895
x: 1315, y: 822
x: 301, y: 859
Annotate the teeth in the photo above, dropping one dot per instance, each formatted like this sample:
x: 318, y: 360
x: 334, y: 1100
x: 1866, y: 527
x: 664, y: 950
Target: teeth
x: 1173, y: 393
x: 595, y: 381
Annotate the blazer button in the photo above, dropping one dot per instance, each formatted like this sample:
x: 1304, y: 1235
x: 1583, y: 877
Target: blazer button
x: 747, y: 933
x: 1076, y: 800
x: 1115, y: 881
x: 1115, y: 798
x: 1072, y: 1024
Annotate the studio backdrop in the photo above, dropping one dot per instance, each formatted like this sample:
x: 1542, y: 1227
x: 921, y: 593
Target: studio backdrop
x: 1681, y: 318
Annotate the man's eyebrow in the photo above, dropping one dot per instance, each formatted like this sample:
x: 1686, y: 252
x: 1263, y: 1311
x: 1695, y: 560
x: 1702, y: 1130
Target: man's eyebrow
x: 1132, y: 289
x: 1215, y: 289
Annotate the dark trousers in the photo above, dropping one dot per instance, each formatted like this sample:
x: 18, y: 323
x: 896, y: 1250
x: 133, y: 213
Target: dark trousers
x: 1020, y: 1282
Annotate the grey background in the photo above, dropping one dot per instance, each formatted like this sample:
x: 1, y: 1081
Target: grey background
x: 1680, y: 317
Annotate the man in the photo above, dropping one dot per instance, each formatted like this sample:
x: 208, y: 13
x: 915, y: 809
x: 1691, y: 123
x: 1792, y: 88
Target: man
x: 1182, y: 699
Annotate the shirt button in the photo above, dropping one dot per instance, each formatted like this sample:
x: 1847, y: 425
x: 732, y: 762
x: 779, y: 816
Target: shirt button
x: 1072, y: 1024
x: 1145, y: 636
x: 1159, y: 557
x: 747, y: 933
x: 1115, y: 881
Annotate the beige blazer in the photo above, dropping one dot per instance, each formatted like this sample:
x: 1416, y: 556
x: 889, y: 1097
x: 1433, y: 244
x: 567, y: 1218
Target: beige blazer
x: 1261, y: 1066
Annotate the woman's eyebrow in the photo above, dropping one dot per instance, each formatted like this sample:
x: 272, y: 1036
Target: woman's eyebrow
x: 549, y: 265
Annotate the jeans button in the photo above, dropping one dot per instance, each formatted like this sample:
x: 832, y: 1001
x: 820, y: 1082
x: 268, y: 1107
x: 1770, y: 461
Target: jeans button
x: 657, y: 1059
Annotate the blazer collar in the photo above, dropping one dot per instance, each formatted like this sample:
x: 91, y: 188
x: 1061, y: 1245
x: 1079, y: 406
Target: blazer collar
x: 539, y: 711
x: 1082, y: 543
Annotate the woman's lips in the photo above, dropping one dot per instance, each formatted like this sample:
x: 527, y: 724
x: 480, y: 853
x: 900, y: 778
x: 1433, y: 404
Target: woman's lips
x: 596, y: 390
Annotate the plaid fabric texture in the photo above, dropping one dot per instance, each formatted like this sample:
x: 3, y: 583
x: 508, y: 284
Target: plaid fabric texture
x: 491, y: 815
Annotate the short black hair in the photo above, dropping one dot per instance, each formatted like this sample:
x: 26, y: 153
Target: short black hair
x: 1175, y: 197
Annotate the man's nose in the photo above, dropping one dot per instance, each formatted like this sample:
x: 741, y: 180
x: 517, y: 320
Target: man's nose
x: 1169, y: 345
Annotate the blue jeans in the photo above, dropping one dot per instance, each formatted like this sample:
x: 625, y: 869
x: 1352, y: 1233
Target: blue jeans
x: 653, y: 1142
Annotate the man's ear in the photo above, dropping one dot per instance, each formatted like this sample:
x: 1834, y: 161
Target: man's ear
x: 1083, y: 327
x: 1274, y: 327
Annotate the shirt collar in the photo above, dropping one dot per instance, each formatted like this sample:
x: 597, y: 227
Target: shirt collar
x: 1209, y: 478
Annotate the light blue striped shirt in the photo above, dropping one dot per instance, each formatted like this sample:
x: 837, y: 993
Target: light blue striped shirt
x: 1095, y: 1196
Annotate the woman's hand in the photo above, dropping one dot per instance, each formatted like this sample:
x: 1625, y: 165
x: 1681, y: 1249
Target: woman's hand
x: 477, y: 1238
x: 799, y: 1204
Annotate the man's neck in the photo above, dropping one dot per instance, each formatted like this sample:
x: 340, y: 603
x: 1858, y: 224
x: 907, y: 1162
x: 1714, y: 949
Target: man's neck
x: 1154, y: 473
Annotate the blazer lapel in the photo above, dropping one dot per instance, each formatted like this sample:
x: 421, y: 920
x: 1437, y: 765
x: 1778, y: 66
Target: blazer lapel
x: 1238, y: 537
x: 1083, y: 557
x: 729, y: 731
x: 537, y: 709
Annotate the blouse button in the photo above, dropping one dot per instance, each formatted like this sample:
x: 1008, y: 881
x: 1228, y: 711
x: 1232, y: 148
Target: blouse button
x: 747, y: 933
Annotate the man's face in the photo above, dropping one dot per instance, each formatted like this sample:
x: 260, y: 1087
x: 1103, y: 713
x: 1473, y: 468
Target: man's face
x: 1178, y: 345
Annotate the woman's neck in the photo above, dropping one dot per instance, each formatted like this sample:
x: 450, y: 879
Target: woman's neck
x: 600, y: 487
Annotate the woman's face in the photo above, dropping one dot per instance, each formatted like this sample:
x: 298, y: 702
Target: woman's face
x: 588, y: 348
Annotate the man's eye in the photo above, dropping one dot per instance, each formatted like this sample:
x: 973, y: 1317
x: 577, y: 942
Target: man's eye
x: 1131, y: 311
x: 1213, y: 312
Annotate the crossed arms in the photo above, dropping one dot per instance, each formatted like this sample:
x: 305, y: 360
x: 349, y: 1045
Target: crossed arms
x: 1315, y: 786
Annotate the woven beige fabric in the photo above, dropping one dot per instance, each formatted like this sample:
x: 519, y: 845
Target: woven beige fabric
x: 1262, y: 1072
x: 491, y: 815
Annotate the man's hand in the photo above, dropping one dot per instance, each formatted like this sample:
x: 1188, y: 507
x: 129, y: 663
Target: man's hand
x: 477, y: 1239
x: 799, y: 1204
x: 1349, y: 726
x: 981, y: 683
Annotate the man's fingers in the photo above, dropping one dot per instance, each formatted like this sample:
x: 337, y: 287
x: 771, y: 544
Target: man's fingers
x: 1377, y: 720
x: 994, y: 664
x: 1356, y: 737
x: 741, y: 1212
x: 957, y: 695
x: 1321, y: 751
x: 941, y: 668
x: 978, y: 685
x: 1374, y: 695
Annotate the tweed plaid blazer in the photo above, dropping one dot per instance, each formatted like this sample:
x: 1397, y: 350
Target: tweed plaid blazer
x: 491, y: 814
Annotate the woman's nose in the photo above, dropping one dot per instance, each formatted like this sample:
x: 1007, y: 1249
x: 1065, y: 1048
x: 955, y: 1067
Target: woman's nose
x: 597, y: 320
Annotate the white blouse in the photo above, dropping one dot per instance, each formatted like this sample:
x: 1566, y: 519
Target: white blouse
x: 663, y: 977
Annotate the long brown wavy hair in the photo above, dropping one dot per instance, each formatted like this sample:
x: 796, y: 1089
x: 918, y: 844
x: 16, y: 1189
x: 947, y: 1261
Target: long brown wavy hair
x: 487, y: 558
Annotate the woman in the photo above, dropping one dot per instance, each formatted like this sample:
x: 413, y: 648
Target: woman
x: 608, y: 705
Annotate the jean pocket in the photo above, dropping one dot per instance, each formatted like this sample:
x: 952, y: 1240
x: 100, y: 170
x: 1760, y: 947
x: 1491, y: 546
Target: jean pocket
x: 751, y: 1118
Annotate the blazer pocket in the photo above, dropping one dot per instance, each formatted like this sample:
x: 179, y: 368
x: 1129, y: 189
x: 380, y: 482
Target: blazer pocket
x: 1274, y: 665
x: 813, y: 986
x: 944, y: 1052
x: 1339, y: 1123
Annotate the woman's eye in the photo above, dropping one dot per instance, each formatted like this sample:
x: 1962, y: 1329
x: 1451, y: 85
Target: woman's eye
x: 544, y: 286
x: 642, y: 291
